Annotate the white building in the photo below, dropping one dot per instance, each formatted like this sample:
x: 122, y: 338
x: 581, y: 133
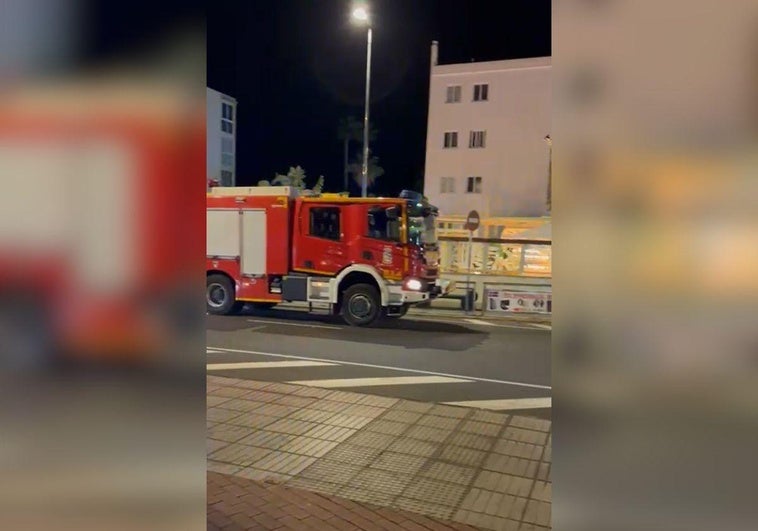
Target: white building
x: 221, y: 137
x: 485, y: 146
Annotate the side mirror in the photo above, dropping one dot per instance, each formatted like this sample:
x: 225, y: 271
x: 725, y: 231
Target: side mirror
x: 393, y: 213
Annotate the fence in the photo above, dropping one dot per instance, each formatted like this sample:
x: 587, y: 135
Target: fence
x: 513, y: 257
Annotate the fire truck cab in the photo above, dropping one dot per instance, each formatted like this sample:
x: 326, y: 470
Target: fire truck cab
x: 362, y: 258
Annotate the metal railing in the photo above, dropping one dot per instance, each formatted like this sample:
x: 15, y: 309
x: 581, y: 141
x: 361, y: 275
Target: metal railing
x: 514, y: 257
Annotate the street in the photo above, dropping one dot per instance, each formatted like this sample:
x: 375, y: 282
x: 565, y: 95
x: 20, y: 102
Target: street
x: 471, y: 362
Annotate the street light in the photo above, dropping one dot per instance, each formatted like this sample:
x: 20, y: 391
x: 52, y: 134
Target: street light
x: 360, y: 15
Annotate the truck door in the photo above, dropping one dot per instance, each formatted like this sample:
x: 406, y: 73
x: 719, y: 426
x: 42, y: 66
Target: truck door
x: 382, y: 243
x: 322, y: 247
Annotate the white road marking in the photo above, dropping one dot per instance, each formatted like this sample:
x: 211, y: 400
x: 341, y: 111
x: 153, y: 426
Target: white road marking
x: 401, y: 369
x: 265, y: 365
x: 372, y: 382
x: 211, y: 351
x: 506, y: 404
x: 301, y: 325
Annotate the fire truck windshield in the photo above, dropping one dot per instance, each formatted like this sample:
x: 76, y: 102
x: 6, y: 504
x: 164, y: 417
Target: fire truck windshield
x: 422, y: 227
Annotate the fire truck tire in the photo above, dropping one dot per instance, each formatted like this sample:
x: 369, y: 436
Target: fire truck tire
x: 219, y: 295
x: 361, y: 305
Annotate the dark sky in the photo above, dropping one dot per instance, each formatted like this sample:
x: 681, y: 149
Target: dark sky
x: 297, y: 66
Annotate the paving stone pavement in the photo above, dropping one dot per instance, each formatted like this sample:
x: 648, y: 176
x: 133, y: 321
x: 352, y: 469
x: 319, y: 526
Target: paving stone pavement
x: 239, y: 503
x: 464, y: 466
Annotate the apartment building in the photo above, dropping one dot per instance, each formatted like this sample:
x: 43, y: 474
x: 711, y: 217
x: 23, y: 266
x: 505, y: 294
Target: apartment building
x: 221, y: 137
x: 486, y: 147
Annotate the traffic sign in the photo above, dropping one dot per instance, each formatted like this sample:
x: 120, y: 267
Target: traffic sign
x: 472, y: 221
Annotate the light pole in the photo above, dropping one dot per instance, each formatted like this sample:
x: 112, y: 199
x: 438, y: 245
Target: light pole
x: 360, y: 14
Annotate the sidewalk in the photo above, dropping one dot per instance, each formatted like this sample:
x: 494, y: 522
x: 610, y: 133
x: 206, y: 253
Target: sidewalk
x: 448, y: 464
x: 238, y: 503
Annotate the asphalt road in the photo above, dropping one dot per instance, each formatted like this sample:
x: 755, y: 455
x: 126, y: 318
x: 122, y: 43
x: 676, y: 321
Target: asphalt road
x: 432, y: 359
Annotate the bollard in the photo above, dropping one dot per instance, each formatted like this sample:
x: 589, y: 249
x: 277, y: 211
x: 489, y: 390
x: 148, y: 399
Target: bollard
x: 468, y: 300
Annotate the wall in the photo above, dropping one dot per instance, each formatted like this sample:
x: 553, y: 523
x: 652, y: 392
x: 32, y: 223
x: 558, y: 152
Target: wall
x: 215, y: 135
x: 516, y: 117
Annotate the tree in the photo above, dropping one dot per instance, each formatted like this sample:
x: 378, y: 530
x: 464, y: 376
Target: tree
x: 319, y: 184
x: 295, y: 177
x: 374, y: 170
x: 350, y: 130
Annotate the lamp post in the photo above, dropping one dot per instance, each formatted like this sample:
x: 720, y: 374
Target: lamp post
x: 360, y: 15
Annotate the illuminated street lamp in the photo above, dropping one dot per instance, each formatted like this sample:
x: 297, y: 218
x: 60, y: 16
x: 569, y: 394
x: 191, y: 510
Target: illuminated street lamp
x: 361, y: 16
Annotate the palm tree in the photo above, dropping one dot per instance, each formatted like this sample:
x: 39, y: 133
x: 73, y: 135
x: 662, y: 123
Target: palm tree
x: 374, y: 170
x: 350, y: 129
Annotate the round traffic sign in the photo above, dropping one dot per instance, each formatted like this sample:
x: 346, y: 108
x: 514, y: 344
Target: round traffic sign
x: 472, y: 221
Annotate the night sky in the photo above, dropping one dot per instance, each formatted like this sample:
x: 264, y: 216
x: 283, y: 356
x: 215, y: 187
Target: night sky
x: 297, y: 66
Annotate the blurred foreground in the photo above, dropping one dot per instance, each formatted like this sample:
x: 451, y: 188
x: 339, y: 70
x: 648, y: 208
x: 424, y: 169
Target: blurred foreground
x: 655, y: 160
x: 101, y: 238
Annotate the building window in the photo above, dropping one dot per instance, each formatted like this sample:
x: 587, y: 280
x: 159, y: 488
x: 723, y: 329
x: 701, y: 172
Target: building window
x: 227, y: 145
x: 227, y: 126
x: 474, y: 185
x: 476, y: 139
x: 226, y: 178
x: 227, y: 112
x: 325, y: 223
x: 451, y: 139
x: 453, y: 94
x: 480, y: 92
x: 227, y: 160
x: 447, y: 185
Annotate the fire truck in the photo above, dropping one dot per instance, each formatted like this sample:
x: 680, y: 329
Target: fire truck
x: 360, y: 258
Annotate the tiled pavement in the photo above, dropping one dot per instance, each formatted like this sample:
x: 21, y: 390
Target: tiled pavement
x: 239, y: 503
x: 483, y: 468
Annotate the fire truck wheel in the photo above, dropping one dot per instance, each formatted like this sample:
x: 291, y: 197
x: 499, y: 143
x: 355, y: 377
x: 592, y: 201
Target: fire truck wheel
x: 219, y: 295
x: 361, y: 305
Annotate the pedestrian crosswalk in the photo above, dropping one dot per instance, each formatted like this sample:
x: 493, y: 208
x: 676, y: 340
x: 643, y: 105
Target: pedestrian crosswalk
x: 373, y: 382
x: 265, y: 365
x: 506, y: 403
x: 384, y: 380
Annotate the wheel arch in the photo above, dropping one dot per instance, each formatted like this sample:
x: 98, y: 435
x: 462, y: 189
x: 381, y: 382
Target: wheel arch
x: 360, y: 274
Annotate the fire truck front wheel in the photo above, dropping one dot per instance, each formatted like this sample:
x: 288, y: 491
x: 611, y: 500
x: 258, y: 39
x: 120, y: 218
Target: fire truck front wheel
x: 219, y: 295
x: 361, y: 305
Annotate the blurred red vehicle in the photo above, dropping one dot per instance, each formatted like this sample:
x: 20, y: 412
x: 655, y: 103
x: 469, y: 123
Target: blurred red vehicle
x: 101, y: 219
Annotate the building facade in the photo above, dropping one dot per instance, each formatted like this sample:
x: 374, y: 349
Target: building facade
x: 221, y: 137
x: 486, y: 147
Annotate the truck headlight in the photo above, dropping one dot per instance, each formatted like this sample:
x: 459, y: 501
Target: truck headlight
x: 413, y: 284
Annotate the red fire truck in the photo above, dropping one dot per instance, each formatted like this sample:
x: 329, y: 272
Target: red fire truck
x: 362, y: 258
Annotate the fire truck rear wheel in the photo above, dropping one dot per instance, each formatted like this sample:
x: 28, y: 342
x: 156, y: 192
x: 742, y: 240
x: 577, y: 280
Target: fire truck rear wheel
x: 219, y: 295
x: 361, y: 305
